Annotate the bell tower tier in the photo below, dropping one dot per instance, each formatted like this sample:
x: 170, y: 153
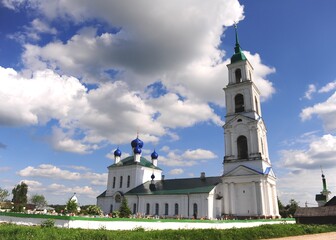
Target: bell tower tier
x: 248, y: 179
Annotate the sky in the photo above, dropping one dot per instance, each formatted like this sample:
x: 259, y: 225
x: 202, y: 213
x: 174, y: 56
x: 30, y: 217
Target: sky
x: 80, y: 78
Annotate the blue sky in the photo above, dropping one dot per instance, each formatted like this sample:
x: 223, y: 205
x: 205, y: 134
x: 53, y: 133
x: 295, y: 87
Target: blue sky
x: 80, y: 78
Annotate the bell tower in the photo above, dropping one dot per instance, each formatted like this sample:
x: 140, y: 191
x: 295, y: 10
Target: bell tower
x: 249, y: 182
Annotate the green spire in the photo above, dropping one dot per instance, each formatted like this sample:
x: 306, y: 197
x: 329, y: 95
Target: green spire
x: 238, y: 55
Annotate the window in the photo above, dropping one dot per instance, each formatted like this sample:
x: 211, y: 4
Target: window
x: 128, y: 180
x: 256, y: 105
x: 134, y: 208
x: 195, y: 210
x: 156, y: 209
x: 239, y: 103
x: 238, y: 75
x: 147, y: 209
x: 242, y: 147
x: 176, y: 209
x: 114, y: 180
x: 117, y: 198
x: 262, y: 146
x: 111, y: 208
x: 166, y: 209
x: 250, y: 75
x: 121, y: 180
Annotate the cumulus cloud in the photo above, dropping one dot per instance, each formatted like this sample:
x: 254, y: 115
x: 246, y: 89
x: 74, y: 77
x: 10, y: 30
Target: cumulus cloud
x: 175, y: 158
x: 328, y: 87
x: 199, y: 154
x: 324, y: 110
x: 321, y: 151
x: 53, y: 172
x: 299, y: 176
x: 176, y: 171
x: 310, y: 91
x: 175, y: 43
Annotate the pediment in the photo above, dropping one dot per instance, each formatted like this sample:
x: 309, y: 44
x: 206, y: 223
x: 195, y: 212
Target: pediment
x: 242, y: 171
x: 237, y: 118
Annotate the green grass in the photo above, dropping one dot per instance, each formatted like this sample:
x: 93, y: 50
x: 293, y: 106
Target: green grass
x: 14, y: 232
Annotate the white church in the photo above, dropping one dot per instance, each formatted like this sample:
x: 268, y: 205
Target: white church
x: 247, y: 188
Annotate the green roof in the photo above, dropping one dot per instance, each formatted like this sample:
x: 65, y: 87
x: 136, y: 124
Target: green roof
x: 176, y: 186
x: 130, y: 161
x: 238, y: 55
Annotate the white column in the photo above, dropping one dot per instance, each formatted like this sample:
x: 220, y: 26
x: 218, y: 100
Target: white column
x: 226, y: 196
x: 254, y: 199
x: 275, y: 201
x: 232, y: 199
x: 268, y: 198
x: 261, y: 202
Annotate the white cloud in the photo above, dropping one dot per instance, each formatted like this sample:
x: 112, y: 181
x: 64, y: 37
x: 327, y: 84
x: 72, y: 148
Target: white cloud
x: 310, y: 91
x: 327, y: 88
x: 320, y: 152
x: 325, y: 110
x: 53, y: 172
x: 176, y: 171
x: 299, y: 176
x: 199, y: 154
x: 175, y: 43
x: 189, y: 158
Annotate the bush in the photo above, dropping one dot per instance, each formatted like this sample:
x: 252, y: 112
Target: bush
x: 48, y: 223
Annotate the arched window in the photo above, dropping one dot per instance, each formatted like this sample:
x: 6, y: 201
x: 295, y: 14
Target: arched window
x: 166, y: 209
x: 262, y: 145
x: 121, y: 180
x: 195, y: 210
x: 239, y: 103
x: 242, y: 147
x: 147, y: 209
x: 156, y: 209
x: 238, y: 75
x: 256, y: 105
x: 114, y: 181
x: 117, y: 198
x: 128, y: 181
x: 176, y: 209
x: 134, y: 208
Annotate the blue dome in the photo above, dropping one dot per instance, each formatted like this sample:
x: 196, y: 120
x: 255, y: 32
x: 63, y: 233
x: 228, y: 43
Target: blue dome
x: 154, y: 155
x: 117, y: 152
x: 137, y: 143
x: 137, y: 150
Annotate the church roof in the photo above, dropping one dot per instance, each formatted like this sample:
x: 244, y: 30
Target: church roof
x: 130, y: 161
x: 331, y: 202
x: 315, y: 211
x: 176, y: 186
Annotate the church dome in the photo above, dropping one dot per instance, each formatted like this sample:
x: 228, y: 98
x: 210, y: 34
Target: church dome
x: 117, y: 152
x: 154, y: 155
x: 137, y: 150
x: 137, y: 143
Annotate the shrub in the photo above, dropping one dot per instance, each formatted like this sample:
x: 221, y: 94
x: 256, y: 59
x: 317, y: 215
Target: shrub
x: 48, y: 223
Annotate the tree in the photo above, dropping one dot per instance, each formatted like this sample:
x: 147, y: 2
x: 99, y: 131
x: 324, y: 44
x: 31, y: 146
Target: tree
x: 38, y: 200
x: 20, y: 196
x: 72, y: 206
x: 3, y: 194
x: 289, y: 209
x: 93, y: 210
x: 124, y: 210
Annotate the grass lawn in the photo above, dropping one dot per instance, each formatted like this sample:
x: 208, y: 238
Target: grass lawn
x: 15, y: 232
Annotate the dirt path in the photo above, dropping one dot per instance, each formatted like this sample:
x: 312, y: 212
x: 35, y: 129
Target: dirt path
x: 320, y: 236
